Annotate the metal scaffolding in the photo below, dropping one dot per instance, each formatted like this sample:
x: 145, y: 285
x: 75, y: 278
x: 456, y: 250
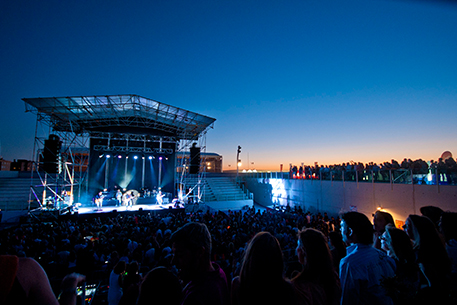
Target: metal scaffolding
x: 76, y: 120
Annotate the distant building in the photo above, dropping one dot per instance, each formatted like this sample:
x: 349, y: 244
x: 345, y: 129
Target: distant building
x: 78, y: 158
x: 21, y: 165
x: 5, y: 165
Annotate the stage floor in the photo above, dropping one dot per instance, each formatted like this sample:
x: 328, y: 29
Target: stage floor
x: 145, y: 207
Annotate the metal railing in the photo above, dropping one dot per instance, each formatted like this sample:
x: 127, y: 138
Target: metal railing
x: 393, y: 176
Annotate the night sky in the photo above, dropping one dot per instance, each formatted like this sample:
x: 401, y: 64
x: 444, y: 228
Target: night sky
x: 290, y: 81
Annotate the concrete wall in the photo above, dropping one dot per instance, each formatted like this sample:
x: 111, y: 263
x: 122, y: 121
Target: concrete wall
x: 336, y: 197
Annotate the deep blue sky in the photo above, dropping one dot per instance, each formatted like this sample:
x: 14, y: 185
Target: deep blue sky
x: 289, y: 81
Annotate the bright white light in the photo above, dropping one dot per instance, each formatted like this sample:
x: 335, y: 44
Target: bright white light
x: 108, y: 156
x: 239, y: 163
x: 135, y: 157
x: 160, y: 158
x: 150, y: 158
x: 120, y: 157
x: 279, y: 191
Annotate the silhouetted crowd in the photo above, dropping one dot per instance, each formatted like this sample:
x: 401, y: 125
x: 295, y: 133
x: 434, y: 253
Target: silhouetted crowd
x: 238, y: 257
x: 443, y: 170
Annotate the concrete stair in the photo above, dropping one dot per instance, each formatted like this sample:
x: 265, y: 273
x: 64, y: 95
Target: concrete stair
x: 225, y: 189
x: 218, y: 188
x: 14, y: 193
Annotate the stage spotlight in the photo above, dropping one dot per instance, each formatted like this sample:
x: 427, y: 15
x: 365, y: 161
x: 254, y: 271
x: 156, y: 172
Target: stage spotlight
x: 108, y: 156
x: 150, y: 158
x: 120, y: 157
x: 101, y: 156
x: 160, y: 158
x: 135, y: 157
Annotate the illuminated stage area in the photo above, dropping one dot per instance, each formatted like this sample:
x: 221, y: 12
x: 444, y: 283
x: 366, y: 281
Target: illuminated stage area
x: 138, y: 207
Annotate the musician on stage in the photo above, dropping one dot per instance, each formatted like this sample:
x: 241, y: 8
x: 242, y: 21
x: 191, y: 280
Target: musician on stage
x: 159, y: 197
x: 130, y: 199
x: 119, y: 197
x: 99, y: 200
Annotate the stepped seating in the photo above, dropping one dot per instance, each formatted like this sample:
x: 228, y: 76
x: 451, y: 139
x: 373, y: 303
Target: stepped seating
x: 225, y: 189
x: 218, y: 189
x: 14, y: 193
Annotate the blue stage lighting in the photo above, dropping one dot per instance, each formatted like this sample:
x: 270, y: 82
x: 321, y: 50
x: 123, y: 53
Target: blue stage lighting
x: 135, y: 157
x: 150, y: 157
x: 108, y: 156
x: 120, y: 157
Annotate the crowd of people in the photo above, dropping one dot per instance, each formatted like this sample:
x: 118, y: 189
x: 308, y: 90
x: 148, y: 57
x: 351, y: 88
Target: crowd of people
x: 237, y: 257
x: 443, y: 171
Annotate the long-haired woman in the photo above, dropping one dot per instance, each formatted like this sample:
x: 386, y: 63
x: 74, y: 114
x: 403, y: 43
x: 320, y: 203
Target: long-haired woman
x: 261, y: 279
x: 398, y: 246
x: 431, y: 256
x: 318, y: 283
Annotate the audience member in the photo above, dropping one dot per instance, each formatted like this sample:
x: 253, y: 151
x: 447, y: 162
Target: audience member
x: 130, y: 284
x: 380, y: 220
x: 115, y: 290
x: 160, y: 287
x: 404, y: 286
x: 431, y: 257
x: 364, y: 267
x: 448, y: 226
x: 318, y: 282
x: 205, y: 281
x: 23, y: 281
x: 261, y: 279
x: 337, y: 248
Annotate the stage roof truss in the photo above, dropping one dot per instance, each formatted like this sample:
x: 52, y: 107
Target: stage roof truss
x: 86, y: 114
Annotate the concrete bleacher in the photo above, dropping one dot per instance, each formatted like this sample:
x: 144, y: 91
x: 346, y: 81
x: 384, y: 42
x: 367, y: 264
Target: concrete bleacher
x: 14, y: 193
x: 221, y: 192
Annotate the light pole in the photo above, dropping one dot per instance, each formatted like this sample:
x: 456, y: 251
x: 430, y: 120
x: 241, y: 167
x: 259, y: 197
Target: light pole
x: 238, y: 161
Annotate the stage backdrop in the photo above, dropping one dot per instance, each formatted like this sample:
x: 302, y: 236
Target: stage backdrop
x: 113, y: 168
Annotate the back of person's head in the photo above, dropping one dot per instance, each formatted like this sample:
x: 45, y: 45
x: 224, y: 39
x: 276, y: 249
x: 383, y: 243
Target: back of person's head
x: 193, y: 236
x: 448, y: 225
x: 318, y: 263
x: 399, y: 244
x: 318, y: 259
x: 360, y: 226
x: 433, y: 213
x: 381, y: 219
x: 421, y: 230
x: 427, y: 241
x: 160, y: 286
x: 120, y: 267
x: 263, y: 261
x: 336, y: 241
x: 132, y: 267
